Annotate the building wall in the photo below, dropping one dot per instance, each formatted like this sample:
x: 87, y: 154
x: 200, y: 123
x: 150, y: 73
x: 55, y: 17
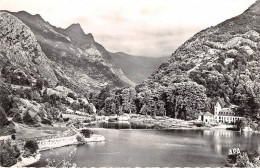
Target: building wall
x: 227, y: 119
x: 208, y: 118
x: 216, y: 110
x: 219, y: 117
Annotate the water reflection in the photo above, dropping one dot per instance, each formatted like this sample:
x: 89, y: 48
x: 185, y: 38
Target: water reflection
x: 222, y: 140
x: 137, y: 147
x: 124, y: 125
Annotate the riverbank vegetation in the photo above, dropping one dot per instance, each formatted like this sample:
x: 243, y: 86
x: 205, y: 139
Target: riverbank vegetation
x: 243, y: 158
x: 247, y: 123
x: 11, y: 153
x: 63, y: 162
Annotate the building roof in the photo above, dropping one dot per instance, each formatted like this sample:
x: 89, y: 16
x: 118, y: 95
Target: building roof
x: 217, y: 104
x: 226, y: 112
x: 208, y: 114
x: 232, y: 106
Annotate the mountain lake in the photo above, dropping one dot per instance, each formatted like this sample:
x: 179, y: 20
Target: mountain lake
x: 150, y: 147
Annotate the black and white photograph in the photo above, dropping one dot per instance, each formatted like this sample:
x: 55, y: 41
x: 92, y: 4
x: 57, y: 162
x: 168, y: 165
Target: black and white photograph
x: 129, y: 83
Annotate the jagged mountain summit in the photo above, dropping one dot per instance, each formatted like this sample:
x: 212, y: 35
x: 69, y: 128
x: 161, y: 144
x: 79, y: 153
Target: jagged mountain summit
x: 225, y: 59
x: 72, y: 57
x: 136, y: 68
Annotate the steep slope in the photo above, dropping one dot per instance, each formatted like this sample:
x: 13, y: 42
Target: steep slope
x: 136, y: 68
x: 81, y: 63
x: 19, y: 46
x: 225, y: 59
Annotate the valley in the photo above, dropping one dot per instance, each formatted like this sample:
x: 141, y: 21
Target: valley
x: 58, y: 85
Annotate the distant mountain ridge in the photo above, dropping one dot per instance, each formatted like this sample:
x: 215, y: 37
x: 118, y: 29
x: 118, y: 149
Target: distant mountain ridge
x: 136, y: 68
x: 77, y: 60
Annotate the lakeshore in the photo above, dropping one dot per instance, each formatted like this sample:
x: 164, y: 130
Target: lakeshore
x: 51, y: 144
x: 153, y: 147
x: 60, y: 136
x: 158, y: 122
x: 63, y: 135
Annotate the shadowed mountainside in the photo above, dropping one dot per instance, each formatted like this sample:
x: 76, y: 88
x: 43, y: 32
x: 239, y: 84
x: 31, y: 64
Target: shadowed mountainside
x: 80, y: 63
x: 136, y: 68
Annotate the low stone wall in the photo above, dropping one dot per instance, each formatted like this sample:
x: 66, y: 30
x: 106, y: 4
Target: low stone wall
x: 57, y: 142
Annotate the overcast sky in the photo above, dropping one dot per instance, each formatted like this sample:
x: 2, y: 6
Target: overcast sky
x: 138, y: 27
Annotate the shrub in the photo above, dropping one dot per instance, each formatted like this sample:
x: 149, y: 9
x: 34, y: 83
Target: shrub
x: 71, y: 95
x: 245, y: 158
x: 13, y: 137
x: 39, y: 84
x: 13, y: 111
x: 66, y: 119
x: 80, y: 139
x: 35, y: 95
x: 8, y: 154
x: 5, y: 100
x: 199, y: 124
x: 18, y: 118
x: 46, y: 121
x: 31, y: 120
x: 87, y: 121
x: 31, y: 145
x: 28, y: 119
x: 86, y: 132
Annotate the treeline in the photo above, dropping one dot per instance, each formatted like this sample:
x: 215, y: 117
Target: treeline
x: 231, y: 77
x: 181, y: 100
x: 180, y: 94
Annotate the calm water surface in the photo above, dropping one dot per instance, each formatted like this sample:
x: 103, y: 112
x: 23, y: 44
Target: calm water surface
x: 135, y: 147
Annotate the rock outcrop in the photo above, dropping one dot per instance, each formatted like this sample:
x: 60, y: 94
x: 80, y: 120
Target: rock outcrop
x: 65, y: 56
x: 19, y: 46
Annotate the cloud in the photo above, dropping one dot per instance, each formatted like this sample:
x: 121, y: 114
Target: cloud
x: 139, y: 27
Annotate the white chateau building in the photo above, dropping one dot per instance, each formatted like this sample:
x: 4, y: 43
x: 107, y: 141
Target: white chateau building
x: 221, y: 115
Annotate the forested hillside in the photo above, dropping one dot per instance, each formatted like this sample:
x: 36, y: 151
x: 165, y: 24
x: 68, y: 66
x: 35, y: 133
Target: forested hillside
x: 220, y: 63
x: 224, y: 60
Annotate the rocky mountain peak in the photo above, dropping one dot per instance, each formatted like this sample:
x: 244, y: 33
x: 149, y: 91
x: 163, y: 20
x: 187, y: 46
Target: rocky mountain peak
x: 35, y: 17
x: 34, y: 44
x: 76, y: 27
x: 77, y: 34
